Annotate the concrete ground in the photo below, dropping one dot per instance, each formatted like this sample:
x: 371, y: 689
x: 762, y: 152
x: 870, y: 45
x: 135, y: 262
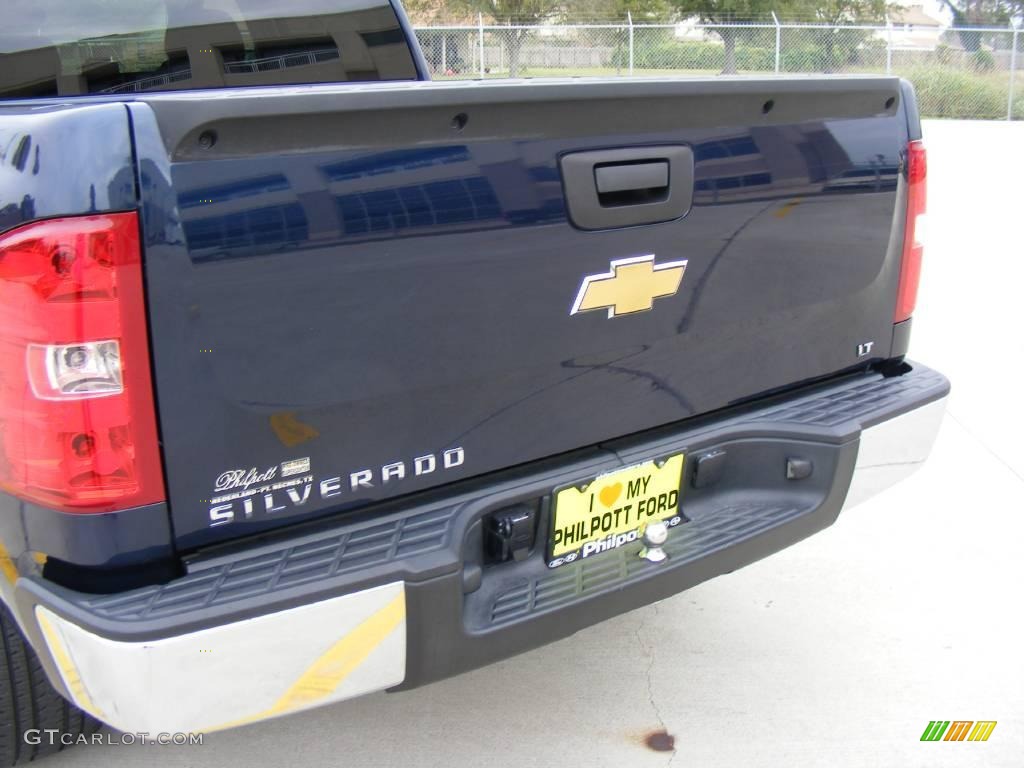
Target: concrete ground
x: 836, y: 652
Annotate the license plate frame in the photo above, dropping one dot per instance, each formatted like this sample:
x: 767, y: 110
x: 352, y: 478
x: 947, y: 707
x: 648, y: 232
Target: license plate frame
x: 613, y: 508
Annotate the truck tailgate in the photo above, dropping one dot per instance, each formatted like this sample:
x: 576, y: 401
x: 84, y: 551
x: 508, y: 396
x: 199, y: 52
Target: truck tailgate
x: 358, y: 292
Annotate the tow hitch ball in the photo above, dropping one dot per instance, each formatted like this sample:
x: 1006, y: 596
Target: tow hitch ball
x: 655, y: 535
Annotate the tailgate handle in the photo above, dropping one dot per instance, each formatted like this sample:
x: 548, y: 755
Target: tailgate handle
x: 610, y: 188
x: 631, y: 177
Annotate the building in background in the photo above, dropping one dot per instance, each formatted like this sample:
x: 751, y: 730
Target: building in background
x: 914, y: 29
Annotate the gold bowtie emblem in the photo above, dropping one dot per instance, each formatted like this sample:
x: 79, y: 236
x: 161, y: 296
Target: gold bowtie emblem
x: 631, y: 286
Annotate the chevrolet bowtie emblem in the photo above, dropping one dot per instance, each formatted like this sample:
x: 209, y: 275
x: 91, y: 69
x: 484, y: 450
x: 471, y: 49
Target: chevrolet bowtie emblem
x: 631, y: 286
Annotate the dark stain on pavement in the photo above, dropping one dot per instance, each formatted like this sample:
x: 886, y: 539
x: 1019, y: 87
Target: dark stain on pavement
x: 660, y: 741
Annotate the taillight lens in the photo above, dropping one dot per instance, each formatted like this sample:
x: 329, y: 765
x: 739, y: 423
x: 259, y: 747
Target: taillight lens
x: 910, y: 271
x: 77, y: 422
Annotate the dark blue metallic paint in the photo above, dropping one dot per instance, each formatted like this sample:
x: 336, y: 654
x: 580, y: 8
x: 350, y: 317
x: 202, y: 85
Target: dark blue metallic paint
x: 393, y: 314
x: 396, y: 300
x: 113, y: 539
x: 59, y: 160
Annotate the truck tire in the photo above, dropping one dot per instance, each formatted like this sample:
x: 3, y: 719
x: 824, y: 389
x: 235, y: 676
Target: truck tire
x: 28, y: 701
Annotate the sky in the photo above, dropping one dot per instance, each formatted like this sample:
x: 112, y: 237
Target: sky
x: 933, y: 8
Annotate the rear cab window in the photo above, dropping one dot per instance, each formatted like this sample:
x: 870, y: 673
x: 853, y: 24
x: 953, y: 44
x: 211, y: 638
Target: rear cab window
x: 81, y: 47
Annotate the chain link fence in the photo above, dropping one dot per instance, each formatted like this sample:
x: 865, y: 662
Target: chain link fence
x: 958, y: 73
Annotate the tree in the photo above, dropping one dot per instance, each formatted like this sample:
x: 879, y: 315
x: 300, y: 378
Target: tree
x: 981, y: 13
x: 619, y: 10
x: 728, y: 12
x: 837, y: 12
x: 826, y: 12
x: 529, y: 12
x: 434, y: 12
x: 515, y: 12
x: 837, y: 50
x: 984, y: 13
x: 640, y: 11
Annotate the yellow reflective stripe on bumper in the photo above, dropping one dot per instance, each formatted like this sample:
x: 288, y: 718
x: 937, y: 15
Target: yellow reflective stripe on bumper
x: 67, y: 667
x: 7, y: 567
x: 339, y: 661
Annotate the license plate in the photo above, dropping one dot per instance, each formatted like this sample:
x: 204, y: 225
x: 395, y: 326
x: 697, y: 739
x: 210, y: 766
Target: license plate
x: 613, y: 509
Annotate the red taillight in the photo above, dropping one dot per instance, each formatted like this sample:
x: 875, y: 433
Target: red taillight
x: 910, y: 270
x: 77, y: 422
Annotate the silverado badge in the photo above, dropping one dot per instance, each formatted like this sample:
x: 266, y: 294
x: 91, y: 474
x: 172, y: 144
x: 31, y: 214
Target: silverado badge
x: 631, y: 285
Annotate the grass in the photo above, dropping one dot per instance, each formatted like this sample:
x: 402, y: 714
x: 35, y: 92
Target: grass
x: 950, y: 93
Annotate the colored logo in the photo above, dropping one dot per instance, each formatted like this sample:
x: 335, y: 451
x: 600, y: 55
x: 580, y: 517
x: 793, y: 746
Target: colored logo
x: 958, y: 730
x: 630, y: 286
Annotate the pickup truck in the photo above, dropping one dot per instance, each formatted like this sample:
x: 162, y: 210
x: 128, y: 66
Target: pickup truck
x: 318, y: 378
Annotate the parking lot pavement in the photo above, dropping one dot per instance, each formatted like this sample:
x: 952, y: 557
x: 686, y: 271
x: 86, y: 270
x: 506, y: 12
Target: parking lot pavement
x: 835, y: 652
